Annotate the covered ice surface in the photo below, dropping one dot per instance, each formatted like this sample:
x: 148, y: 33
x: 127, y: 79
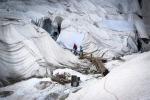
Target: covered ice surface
x: 108, y: 26
x: 119, y: 25
x: 130, y: 81
x: 94, y: 21
x: 27, y: 50
x: 104, y: 25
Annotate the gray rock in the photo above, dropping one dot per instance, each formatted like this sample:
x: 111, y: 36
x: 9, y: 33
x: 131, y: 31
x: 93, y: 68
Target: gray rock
x: 6, y: 93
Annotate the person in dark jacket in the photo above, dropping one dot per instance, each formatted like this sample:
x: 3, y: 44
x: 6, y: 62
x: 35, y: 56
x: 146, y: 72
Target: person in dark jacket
x: 75, y: 49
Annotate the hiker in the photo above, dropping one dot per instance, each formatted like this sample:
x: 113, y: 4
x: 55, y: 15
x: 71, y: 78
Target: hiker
x: 81, y: 51
x: 75, y: 49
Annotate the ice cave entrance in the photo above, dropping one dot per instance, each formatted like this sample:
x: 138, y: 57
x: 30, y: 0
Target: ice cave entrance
x: 53, y: 27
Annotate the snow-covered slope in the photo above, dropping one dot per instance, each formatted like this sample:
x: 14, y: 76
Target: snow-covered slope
x: 130, y: 81
x: 44, y: 88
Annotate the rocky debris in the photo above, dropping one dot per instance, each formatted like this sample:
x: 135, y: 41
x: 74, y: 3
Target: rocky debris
x: 43, y: 85
x: 118, y: 58
x: 11, y: 19
x: 56, y: 96
x: 6, y: 93
x: 52, y: 96
x: 62, y: 78
x: 98, y: 62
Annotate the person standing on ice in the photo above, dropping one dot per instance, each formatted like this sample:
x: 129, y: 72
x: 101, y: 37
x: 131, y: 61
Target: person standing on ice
x: 75, y: 49
x: 81, y: 51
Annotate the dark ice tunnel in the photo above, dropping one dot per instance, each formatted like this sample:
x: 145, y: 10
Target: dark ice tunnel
x: 56, y: 27
x: 47, y: 25
x: 53, y: 28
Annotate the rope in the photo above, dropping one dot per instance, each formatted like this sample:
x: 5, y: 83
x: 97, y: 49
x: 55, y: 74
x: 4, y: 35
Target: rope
x: 109, y: 92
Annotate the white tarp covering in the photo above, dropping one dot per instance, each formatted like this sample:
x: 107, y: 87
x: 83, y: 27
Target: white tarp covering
x: 119, y: 25
x: 104, y: 25
x: 27, y: 50
x: 86, y: 19
x: 103, y: 16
